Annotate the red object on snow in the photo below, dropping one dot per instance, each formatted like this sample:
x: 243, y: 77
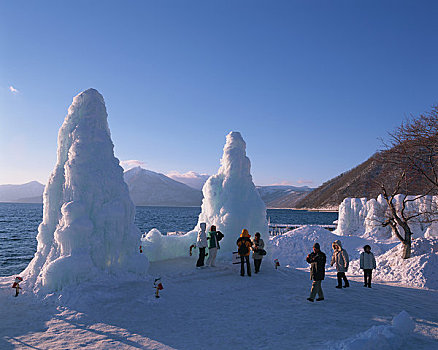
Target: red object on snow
x: 160, y: 286
x: 18, y: 279
x: 141, y: 250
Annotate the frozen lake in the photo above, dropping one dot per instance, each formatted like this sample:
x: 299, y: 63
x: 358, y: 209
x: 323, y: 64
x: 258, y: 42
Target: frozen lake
x: 19, y: 226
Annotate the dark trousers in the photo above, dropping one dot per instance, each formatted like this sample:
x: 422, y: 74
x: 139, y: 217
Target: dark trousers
x: 257, y: 263
x: 341, y: 276
x: 367, y: 273
x: 242, y: 266
x: 201, y: 258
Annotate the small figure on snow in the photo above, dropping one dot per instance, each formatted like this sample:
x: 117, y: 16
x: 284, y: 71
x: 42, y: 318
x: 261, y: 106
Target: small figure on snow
x: 340, y: 258
x: 258, y: 251
x: 244, y: 243
x: 201, y: 242
x: 367, y: 264
x: 158, y: 286
x: 317, y: 260
x: 213, y: 245
x: 16, y: 285
x: 276, y: 263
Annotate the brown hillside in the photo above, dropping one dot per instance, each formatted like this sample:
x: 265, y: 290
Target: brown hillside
x: 362, y: 181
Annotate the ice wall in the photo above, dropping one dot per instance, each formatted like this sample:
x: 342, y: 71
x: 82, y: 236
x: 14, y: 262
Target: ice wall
x: 231, y: 201
x: 359, y: 217
x: 88, y: 221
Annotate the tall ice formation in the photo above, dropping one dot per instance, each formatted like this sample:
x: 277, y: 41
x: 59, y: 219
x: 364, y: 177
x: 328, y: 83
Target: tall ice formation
x: 88, y: 222
x: 231, y: 201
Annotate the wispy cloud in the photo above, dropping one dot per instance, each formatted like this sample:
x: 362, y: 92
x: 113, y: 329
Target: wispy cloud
x: 305, y: 182
x: 290, y: 183
x: 190, y: 178
x: 282, y: 183
x: 133, y: 163
x: 13, y: 90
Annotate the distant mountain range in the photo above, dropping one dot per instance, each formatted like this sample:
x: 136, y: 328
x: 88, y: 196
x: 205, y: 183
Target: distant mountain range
x: 282, y: 196
x: 191, y: 179
x: 31, y: 192
x: 148, y: 188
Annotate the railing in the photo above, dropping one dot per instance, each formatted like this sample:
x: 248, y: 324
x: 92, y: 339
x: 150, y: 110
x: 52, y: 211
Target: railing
x: 279, y: 229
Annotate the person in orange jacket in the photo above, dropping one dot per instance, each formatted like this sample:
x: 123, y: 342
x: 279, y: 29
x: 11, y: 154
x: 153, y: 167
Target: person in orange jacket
x: 244, y: 243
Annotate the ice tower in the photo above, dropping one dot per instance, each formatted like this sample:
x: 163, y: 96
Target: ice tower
x: 88, y: 222
x: 231, y: 201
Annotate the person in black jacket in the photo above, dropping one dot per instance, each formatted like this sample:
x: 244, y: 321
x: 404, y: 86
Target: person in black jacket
x: 317, y: 261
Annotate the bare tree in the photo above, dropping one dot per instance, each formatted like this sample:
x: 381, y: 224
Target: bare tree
x: 415, y: 143
x: 398, y: 216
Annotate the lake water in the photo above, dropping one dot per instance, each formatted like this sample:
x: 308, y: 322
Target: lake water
x: 19, y: 227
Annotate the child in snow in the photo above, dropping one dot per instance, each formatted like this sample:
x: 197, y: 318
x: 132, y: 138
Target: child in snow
x: 201, y: 242
x: 367, y: 264
x: 258, y: 248
x: 340, y: 258
x: 317, y: 261
x: 213, y: 246
x: 244, y: 243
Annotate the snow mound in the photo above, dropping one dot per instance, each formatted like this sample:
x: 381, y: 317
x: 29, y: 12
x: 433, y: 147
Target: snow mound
x: 88, y: 222
x: 292, y: 247
x: 418, y: 271
x: 387, y: 337
x: 157, y: 246
x: 231, y: 200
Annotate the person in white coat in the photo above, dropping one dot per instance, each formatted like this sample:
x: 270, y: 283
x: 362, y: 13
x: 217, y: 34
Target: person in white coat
x: 341, y: 260
x: 201, y: 243
x: 367, y: 264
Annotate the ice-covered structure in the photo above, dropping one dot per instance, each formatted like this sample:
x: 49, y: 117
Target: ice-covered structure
x: 231, y: 201
x: 352, y: 213
x: 159, y: 247
x: 375, y: 214
x: 88, y: 222
x: 362, y: 217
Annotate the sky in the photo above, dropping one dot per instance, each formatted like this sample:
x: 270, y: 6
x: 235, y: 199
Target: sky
x: 311, y: 85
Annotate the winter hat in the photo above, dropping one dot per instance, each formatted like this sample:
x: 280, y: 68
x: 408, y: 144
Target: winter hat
x: 316, y: 245
x: 257, y: 234
x: 338, y: 243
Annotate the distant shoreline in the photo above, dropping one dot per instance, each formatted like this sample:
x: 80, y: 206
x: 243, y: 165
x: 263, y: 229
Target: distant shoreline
x: 327, y: 210
x: 322, y: 210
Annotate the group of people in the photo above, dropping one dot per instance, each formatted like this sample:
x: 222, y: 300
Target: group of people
x: 317, y: 260
x: 244, y: 244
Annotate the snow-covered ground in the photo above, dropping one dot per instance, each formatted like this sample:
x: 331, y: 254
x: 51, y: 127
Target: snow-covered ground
x: 215, y: 308
x: 89, y: 286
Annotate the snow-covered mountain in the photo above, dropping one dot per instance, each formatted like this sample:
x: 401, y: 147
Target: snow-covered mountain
x: 150, y: 188
x: 31, y: 192
x: 191, y: 179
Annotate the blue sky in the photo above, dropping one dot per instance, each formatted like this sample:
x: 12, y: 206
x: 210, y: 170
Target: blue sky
x: 311, y: 85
